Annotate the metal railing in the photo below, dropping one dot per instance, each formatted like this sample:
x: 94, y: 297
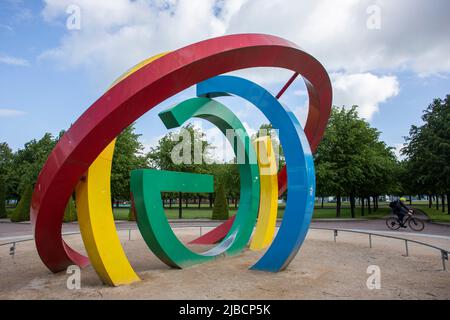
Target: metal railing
x: 444, y: 252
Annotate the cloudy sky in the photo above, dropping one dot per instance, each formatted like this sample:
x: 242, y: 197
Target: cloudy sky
x: 389, y: 57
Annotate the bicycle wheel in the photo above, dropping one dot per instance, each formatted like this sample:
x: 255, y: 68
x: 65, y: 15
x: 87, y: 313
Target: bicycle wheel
x: 416, y: 224
x: 393, y: 223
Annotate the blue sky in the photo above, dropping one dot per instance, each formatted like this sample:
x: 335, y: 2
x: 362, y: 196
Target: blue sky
x: 49, y: 75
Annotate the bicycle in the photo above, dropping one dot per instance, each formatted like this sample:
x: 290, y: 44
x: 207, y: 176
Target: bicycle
x: 415, y: 224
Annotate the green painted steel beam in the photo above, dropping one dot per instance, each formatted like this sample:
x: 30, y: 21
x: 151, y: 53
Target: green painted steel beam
x: 147, y: 185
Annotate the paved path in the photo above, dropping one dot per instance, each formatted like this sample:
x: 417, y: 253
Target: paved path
x: 13, y: 231
x: 431, y: 229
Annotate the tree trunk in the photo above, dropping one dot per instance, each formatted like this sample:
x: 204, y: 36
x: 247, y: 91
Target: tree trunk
x: 443, y: 203
x: 187, y: 202
x: 352, y: 205
x: 322, y: 203
x: 430, y: 201
x: 180, y: 206
x: 338, y: 206
x: 448, y: 203
x: 362, y: 206
x: 170, y: 201
x: 369, y: 208
x: 437, y: 202
x: 235, y: 203
x: 210, y: 200
x: 199, y: 201
x: 410, y: 200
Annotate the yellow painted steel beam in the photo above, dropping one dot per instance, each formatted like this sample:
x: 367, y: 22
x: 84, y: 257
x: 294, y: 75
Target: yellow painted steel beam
x: 268, y: 203
x: 95, y: 215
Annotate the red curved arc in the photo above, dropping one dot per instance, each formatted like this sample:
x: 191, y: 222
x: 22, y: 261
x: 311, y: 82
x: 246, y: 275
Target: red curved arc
x: 130, y: 99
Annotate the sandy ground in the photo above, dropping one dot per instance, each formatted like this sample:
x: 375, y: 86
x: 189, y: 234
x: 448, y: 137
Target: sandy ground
x: 323, y: 269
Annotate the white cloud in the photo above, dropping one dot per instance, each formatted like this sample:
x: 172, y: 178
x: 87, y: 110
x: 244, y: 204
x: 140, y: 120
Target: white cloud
x: 300, y: 93
x: 117, y: 34
x: 5, y: 59
x: 11, y: 113
x: 363, y: 89
x: 302, y: 113
x: 413, y: 34
x: 148, y: 144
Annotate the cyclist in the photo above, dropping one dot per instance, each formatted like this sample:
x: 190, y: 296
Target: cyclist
x: 400, y: 210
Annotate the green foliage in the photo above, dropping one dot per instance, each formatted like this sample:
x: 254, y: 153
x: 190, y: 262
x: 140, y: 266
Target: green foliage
x: 22, y: 211
x: 131, y: 214
x: 268, y: 130
x: 351, y: 160
x: 2, y: 198
x: 160, y: 157
x: 226, y: 174
x: 70, y: 214
x: 126, y: 158
x: 428, y: 151
x: 220, y: 210
x: 27, y: 163
x: 6, y: 168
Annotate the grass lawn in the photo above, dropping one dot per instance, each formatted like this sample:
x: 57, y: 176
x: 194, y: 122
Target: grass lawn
x: 9, y: 212
x: 193, y: 212
x: 435, y: 215
x: 328, y: 212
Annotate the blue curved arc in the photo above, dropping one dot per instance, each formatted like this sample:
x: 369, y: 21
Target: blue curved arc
x: 300, y: 167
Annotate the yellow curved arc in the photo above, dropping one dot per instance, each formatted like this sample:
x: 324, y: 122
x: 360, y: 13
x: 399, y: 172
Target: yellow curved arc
x: 268, y: 203
x: 95, y: 215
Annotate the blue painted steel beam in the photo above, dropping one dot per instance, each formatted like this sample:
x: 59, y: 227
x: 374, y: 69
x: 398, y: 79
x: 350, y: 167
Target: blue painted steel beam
x: 299, y: 161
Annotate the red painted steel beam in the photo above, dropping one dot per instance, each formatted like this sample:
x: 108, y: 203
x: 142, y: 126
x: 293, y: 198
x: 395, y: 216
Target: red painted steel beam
x: 219, y: 233
x: 287, y: 85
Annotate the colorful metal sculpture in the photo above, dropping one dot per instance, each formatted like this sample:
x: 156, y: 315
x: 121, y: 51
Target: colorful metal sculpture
x: 95, y: 216
x: 146, y: 187
x: 82, y: 157
x: 268, y: 200
x: 299, y: 162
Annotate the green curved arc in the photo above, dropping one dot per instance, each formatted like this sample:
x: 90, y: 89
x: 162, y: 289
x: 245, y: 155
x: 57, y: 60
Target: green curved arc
x: 146, y: 186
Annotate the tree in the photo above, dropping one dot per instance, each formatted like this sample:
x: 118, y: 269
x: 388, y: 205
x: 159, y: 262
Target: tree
x: 28, y: 162
x: 220, y: 210
x: 428, y: 151
x: 268, y: 130
x: 131, y: 213
x: 341, y: 153
x: 2, y: 198
x: 351, y: 160
x: 6, y: 166
x: 70, y: 213
x: 325, y: 179
x: 161, y: 156
x: 22, y: 211
x: 126, y: 158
